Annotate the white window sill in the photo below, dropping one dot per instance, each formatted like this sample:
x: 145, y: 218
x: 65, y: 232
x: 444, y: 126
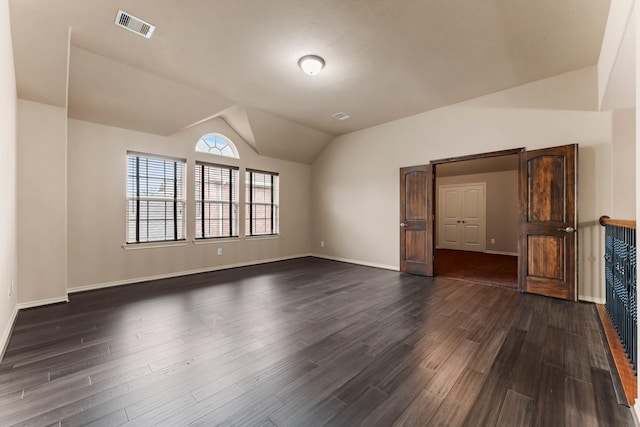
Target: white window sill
x: 265, y: 237
x: 153, y: 245
x: 210, y: 241
x: 216, y: 240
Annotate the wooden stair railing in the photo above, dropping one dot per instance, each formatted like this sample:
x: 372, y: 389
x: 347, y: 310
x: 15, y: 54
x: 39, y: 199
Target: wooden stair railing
x: 627, y: 223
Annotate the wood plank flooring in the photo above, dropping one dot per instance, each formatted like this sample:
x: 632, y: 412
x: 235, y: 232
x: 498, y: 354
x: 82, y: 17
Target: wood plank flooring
x: 481, y: 267
x: 625, y: 371
x: 308, y: 342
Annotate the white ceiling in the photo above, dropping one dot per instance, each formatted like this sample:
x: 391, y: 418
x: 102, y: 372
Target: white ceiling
x: 385, y: 60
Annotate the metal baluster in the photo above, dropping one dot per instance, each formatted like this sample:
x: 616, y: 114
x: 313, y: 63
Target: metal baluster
x: 621, y: 286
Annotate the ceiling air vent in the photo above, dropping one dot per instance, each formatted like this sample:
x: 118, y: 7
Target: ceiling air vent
x: 341, y: 116
x: 131, y: 23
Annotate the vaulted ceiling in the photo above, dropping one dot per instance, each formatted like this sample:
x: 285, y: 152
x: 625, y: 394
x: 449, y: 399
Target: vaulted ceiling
x: 238, y: 60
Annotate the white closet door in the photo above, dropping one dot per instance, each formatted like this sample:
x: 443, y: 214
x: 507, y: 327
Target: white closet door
x: 449, y: 221
x: 461, y: 221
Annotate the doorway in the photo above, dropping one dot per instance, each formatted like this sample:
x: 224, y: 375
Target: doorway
x: 479, y: 197
x: 546, y: 210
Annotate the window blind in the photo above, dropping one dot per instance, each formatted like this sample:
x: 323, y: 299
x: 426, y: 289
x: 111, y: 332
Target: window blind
x: 216, y: 195
x: 261, y: 199
x: 155, y: 199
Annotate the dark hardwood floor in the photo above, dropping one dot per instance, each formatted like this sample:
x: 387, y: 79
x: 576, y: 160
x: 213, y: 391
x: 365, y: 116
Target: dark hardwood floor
x: 309, y: 342
x: 481, y: 267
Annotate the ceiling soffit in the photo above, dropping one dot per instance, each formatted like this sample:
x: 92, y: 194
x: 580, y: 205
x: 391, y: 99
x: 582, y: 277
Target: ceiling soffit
x: 284, y: 139
x: 106, y: 91
x: 40, y: 57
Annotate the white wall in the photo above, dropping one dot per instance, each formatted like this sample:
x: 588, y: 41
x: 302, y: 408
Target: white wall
x: 624, y: 171
x: 96, y: 207
x: 355, y: 187
x: 42, y: 209
x: 616, y: 64
x: 8, y: 207
x: 637, y: 165
x: 501, y: 207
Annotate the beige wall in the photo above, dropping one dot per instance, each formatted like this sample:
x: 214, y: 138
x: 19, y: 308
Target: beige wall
x: 623, y: 189
x: 637, y: 163
x: 8, y: 207
x: 616, y: 64
x: 355, y: 180
x: 41, y: 203
x: 96, y: 210
x: 501, y: 207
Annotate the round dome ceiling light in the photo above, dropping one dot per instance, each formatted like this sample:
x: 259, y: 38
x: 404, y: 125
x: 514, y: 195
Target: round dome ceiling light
x: 311, y: 64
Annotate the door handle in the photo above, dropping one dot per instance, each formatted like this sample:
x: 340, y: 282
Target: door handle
x: 402, y: 224
x: 567, y: 230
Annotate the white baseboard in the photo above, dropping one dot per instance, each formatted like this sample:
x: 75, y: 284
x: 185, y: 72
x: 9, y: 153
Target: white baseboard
x: 178, y: 274
x: 596, y: 300
x: 42, y: 302
x: 6, y: 334
x: 358, y: 262
x: 502, y: 253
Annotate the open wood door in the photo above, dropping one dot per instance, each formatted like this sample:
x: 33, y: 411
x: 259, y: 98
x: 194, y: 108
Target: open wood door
x: 416, y: 220
x: 547, y: 261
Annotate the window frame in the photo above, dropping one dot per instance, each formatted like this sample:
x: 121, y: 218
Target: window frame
x: 249, y: 203
x: 228, y: 142
x: 234, y: 214
x: 179, y: 182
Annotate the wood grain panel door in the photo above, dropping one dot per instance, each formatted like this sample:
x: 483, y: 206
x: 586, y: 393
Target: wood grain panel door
x: 416, y: 220
x: 548, y: 220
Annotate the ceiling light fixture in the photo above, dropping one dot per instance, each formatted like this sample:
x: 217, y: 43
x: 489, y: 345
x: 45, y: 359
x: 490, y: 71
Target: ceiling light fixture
x: 311, y: 64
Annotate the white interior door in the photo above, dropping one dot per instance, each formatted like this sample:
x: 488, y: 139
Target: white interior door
x: 472, y: 217
x: 461, y: 217
x: 449, y: 217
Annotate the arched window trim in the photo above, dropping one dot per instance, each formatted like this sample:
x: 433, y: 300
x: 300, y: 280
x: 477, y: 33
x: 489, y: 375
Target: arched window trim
x: 217, y: 144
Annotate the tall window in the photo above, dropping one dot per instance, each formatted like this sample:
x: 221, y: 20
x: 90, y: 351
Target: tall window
x: 216, y: 201
x: 261, y: 198
x: 155, y: 198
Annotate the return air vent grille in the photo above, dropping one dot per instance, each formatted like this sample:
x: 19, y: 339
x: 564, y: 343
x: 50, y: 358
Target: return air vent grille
x: 341, y: 116
x: 131, y: 23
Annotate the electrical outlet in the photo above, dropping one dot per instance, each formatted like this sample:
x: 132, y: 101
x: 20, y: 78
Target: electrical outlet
x: 219, y: 251
x: 322, y: 243
x: 493, y: 241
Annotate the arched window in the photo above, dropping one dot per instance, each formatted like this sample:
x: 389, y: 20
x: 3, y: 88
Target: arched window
x: 215, y: 143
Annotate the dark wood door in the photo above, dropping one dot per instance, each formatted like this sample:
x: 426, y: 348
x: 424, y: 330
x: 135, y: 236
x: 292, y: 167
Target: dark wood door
x: 416, y: 220
x: 548, y: 240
